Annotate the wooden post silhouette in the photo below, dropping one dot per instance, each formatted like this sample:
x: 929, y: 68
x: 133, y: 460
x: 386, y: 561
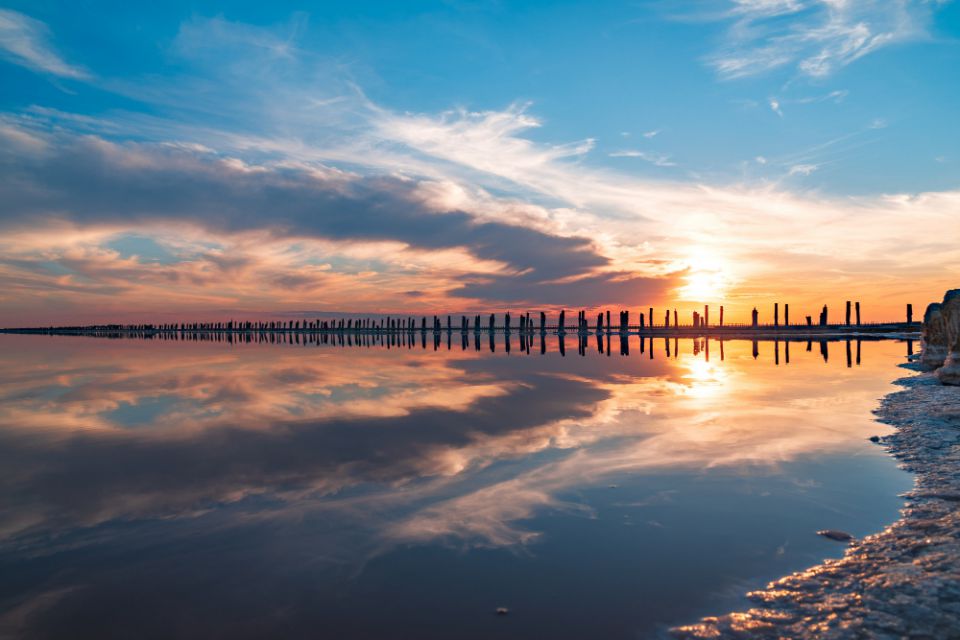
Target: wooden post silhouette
x: 776, y: 314
x: 909, y: 313
x: 857, y: 307
x: 809, y: 324
x: 823, y: 316
x: 666, y: 319
x: 543, y: 323
x: 848, y: 313
x: 561, y: 327
x: 786, y: 315
x: 706, y: 315
x: 641, y: 322
x: 721, y: 315
x: 754, y: 316
x: 676, y: 318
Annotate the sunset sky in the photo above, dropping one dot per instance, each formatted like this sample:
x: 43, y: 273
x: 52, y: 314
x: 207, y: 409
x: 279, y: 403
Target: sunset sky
x: 192, y: 161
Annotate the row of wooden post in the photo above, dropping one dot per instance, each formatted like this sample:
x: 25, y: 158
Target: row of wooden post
x: 526, y: 325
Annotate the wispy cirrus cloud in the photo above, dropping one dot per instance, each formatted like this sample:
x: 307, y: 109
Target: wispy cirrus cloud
x: 26, y: 41
x: 659, y: 159
x: 817, y: 37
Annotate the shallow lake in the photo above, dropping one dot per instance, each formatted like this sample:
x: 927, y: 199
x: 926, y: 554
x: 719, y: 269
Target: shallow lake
x: 234, y: 489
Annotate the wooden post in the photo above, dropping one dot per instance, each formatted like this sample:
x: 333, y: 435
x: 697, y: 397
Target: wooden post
x: 666, y: 319
x: 651, y: 317
x: 754, y: 316
x: 641, y: 322
x: 909, y: 313
x: 848, y: 313
x: 857, y: 306
x: 676, y: 317
x: 824, y: 316
x: 776, y: 314
x: 543, y: 322
x: 608, y: 320
x: 706, y: 315
x: 560, y: 327
x: 786, y: 314
x: 721, y: 315
x: 809, y: 323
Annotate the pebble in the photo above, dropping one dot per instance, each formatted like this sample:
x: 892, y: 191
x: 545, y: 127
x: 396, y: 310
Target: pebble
x: 833, y: 534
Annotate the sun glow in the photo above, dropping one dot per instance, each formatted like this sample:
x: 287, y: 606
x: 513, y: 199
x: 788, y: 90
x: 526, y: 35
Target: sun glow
x: 706, y: 279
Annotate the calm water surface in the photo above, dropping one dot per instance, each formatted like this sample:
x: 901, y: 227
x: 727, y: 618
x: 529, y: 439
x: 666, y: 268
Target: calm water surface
x: 210, y: 490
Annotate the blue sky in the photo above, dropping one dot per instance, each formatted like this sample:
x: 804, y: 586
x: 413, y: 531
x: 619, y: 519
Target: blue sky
x: 610, y: 72
x: 836, y: 107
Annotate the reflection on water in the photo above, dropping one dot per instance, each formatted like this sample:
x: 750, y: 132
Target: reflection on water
x: 406, y: 487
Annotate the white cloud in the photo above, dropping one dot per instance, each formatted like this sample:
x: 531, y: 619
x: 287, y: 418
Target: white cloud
x: 816, y: 36
x: 24, y: 41
x: 654, y: 158
x: 803, y: 169
x: 651, y: 134
x: 775, y: 106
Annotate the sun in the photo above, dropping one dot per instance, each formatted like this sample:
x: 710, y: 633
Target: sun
x: 706, y: 279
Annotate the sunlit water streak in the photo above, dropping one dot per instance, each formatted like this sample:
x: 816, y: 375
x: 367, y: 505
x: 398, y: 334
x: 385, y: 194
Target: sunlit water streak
x: 296, y: 489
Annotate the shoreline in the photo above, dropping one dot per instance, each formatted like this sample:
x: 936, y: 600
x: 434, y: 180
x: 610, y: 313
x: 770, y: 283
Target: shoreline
x: 903, y: 582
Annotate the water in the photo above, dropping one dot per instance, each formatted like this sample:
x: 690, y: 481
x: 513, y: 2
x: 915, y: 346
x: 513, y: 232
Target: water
x: 212, y: 489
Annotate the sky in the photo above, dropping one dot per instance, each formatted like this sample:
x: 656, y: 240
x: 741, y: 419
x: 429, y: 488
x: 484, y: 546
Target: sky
x: 188, y: 161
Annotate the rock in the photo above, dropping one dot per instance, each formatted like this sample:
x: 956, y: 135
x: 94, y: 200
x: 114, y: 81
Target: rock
x: 934, y: 337
x: 833, y: 534
x: 874, y: 438
x: 949, y: 373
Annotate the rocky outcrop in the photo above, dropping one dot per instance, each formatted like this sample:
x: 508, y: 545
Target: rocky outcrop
x: 949, y: 373
x: 934, y: 337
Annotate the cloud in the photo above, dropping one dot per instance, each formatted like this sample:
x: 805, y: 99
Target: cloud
x: 85, y: 182
x: 370, y: 189
x: 816, y: 37
x: 25, y: 41
x: 803, y: 169
x: 775, y: 106
x: 658, y: 159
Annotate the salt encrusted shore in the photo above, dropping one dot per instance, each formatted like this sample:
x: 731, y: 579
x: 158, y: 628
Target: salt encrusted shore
x: 903, y: 582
